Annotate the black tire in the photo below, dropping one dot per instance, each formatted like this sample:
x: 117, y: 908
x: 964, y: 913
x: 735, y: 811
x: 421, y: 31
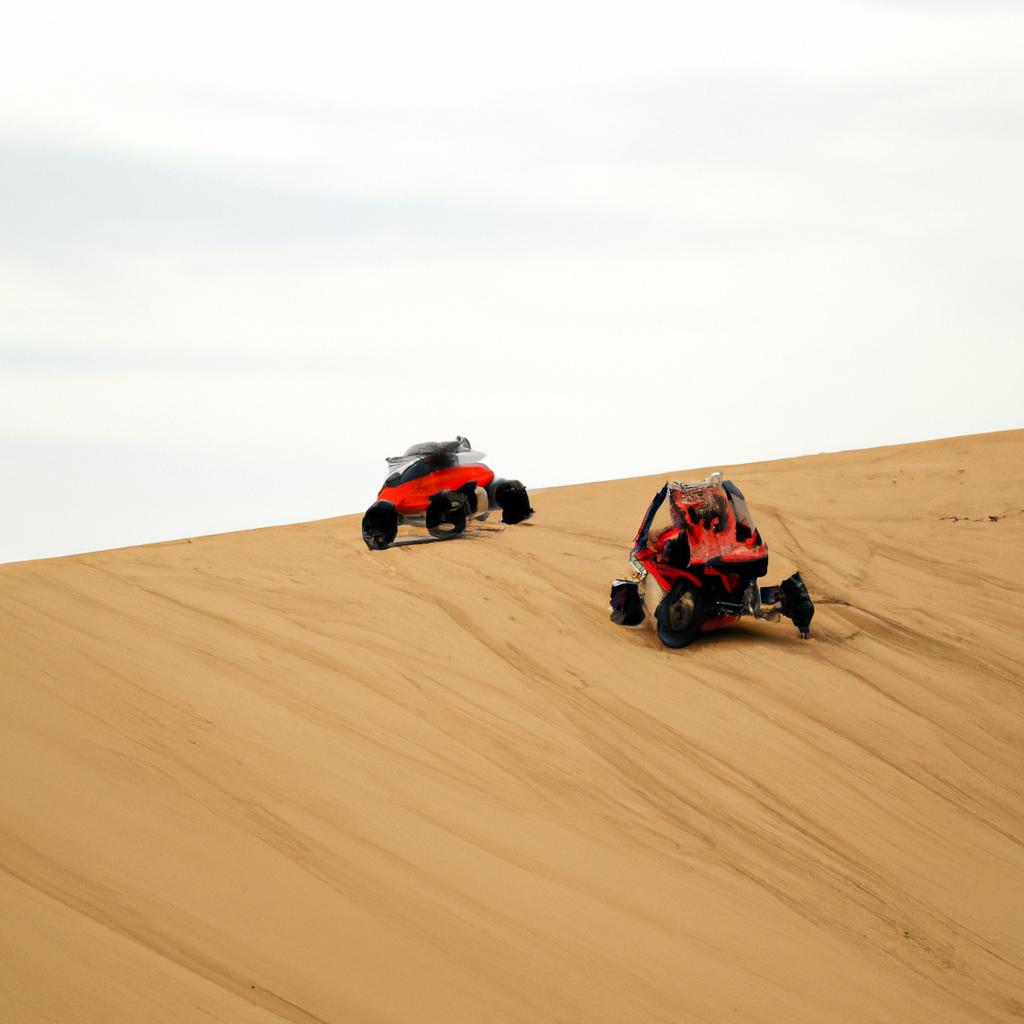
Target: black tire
x: 446, y: 514
x: 511, y: 497
x: 679, y: 616
x: 797, y: 604
x: 380, y: 525
x: 625, y: 605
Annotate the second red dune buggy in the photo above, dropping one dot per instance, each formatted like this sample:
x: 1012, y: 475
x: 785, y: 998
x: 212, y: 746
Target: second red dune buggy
x: 697, y: 558
x: 440, y: 485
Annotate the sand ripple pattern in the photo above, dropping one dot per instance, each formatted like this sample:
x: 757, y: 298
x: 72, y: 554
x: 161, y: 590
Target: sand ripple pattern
x: 271, y: 776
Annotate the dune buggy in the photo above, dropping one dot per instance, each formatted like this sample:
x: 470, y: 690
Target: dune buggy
x: 440, y: 485
x: 697, y: 558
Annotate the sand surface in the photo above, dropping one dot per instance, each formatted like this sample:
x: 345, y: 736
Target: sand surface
x: 271, y: 776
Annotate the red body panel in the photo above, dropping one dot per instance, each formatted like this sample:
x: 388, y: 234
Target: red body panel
x: 414, y: 496
x: 665, y: 574
x: 708, y: 543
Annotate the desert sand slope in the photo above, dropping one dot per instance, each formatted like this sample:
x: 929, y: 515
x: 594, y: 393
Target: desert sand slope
x: 272, y: 776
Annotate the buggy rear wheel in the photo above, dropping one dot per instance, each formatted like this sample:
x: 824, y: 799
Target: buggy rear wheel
x: 446, y: 514
x: 678, y: 617
x: 511, y: 497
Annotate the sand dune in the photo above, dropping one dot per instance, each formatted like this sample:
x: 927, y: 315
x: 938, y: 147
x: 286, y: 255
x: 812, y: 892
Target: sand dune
x: 271, y: 776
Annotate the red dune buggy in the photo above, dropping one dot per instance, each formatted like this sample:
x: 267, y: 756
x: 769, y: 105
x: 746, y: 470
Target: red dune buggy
x: 440, y: 485
x: 697, y: 558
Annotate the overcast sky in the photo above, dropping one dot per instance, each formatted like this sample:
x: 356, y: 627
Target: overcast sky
x: 247, y: 249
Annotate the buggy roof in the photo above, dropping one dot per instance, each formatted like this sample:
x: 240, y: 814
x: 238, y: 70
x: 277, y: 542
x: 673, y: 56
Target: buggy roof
x: 436, y: 454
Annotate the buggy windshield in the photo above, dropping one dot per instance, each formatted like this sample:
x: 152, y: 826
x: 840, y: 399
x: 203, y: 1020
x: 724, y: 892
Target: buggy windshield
x: 700, y: 502
x: 423, y: 458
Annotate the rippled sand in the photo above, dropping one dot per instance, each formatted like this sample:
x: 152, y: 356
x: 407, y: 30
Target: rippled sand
x: 271, y: 776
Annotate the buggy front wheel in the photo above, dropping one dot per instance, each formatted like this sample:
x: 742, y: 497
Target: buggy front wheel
x: 678, y: 617
x: 380, y: 525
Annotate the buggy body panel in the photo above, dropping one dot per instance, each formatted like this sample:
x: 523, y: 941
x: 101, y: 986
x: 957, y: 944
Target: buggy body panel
x: 412, y: 495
